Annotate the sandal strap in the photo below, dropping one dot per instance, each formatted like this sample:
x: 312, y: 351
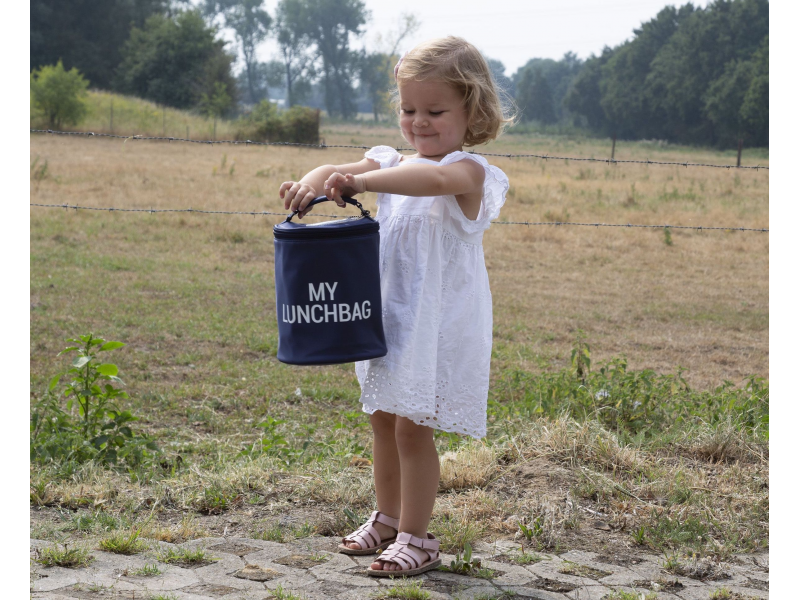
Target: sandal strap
x: 398, y: 552
x: 431, y: 544
x: 386, y: 520
x: 367, y: 536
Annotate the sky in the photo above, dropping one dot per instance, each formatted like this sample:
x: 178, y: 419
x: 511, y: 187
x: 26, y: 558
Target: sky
x: 511, y: 31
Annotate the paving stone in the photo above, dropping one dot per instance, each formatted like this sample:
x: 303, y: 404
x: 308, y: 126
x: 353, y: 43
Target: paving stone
x: 550, y: 570
x: 620, y: 576
x: 342, y: 578
x: 291, y: 582
x: 471, y: 593
x: 589, y: 592
x: 454, y: 578
x: 695, y: 593
x: 512, y: 574
x: 748, y: 591
x: 171, y: 578
x: 533, y: 593
x: 53, y: 578
x: 649, y: 571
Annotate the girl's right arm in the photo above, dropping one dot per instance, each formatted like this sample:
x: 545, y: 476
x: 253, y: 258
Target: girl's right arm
x: 297, y: 194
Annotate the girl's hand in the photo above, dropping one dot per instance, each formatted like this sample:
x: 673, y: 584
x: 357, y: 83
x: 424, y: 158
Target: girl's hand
x: 338, y: 185
x: 296, y: 196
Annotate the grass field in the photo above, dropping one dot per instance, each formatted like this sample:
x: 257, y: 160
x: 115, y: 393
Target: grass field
x: 679, y: 463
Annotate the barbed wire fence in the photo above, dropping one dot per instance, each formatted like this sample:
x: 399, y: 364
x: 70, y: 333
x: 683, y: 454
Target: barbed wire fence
x: 399, y: 149
x: 262, y: 213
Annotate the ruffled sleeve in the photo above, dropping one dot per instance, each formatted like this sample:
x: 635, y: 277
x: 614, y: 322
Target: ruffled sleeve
x: 495, y: 187
x: 385, y: 156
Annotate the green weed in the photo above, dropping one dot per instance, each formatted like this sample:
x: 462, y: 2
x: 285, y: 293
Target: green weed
x: 124, y: 543
x: 405, y: 590
x: 71, y: 557
x: 185, y: 556
x: 101, y: 430
x: 148, y: 571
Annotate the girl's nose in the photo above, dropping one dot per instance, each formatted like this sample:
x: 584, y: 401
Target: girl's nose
x: 420, y: 122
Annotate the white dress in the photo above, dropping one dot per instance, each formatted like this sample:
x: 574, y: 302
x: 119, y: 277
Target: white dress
x: 437, y: 307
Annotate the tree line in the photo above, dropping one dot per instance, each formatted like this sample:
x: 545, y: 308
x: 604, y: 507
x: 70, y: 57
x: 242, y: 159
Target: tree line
x: 690, y: 75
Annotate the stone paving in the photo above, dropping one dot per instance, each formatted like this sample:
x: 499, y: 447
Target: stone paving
x: 312, y: 569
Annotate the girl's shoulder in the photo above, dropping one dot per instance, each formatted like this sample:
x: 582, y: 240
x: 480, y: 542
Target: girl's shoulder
x: 385, y: 156
x: 495, y: 188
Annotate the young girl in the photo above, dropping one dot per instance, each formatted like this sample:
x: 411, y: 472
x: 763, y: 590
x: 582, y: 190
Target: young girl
x: 433, y: 208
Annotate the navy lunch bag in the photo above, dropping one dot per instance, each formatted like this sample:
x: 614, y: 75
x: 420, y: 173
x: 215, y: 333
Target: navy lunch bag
x: 328, y: 290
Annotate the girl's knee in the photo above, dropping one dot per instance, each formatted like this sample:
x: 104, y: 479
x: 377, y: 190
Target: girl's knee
x: 410, y: 436
x: 382, y: 422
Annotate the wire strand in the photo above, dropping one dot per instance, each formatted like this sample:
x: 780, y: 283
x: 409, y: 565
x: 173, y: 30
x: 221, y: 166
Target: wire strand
x: 268, y: 213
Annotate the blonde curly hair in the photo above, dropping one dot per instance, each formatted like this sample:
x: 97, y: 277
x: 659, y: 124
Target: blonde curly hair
x: 458, y: 63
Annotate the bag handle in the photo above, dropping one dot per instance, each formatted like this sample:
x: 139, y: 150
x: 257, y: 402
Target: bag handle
x: 319, y: 199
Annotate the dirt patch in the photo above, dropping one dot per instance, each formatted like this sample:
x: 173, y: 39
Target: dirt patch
x: 551, y: 585
x: 256, y: 573
x: 758, y: 584
x: 80, y: 590
x: 619, y: 560
x: 237, y: 548
x: 301, y: 561
x: 664, y: 585
x: 215, y: 591
x: 579, y: 570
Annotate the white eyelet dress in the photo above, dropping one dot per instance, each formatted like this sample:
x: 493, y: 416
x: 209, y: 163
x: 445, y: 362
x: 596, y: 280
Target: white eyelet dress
x: 437, y: 307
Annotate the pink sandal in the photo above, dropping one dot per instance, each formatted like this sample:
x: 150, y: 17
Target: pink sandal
x: 399, y: 554
x: 368, y: 537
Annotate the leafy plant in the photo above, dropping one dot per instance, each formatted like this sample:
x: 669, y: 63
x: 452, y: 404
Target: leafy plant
x: 101, y: 430
x: 124, y: 543
x: 148, y: 571
x: 185, y: 556
x: 53, y: 556
x: 465, y: 564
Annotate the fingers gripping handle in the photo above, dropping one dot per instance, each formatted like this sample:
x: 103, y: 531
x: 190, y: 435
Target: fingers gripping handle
x: 319, y: 199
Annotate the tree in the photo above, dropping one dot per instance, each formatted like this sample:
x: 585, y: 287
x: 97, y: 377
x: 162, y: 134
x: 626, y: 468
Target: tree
x: 294, y: 44
x: 535, y: 97
x: 86, y: 34
x: 377, y: 68
x: 696, y: 55
x: 755, y: 105
x: 583, y: 97
x: 59, y: 94
x: 250, y: 23
x: 329, y: 25
x: 559, y: 75
x: 216, y: 104
x: 173, y: 61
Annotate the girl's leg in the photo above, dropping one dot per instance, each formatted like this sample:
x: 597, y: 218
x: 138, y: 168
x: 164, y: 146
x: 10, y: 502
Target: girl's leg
x: 419, y: 474
x: 386, y: 470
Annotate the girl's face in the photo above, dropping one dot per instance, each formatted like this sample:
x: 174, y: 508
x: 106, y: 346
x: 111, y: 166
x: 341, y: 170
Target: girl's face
x: 432, y: 117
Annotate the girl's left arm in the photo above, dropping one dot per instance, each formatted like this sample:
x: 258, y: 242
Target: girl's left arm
x: 462, y: 178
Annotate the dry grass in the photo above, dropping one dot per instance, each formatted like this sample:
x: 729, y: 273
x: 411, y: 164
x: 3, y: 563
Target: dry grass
x: 701, y: 302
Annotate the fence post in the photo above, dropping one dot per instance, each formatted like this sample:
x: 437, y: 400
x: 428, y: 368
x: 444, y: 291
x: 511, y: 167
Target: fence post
x: 317, y: 126
x: 613, y: 145
x: 112, y: 115
x: 739, y: 153
x: 163, y: 121
x: 187, y: 133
